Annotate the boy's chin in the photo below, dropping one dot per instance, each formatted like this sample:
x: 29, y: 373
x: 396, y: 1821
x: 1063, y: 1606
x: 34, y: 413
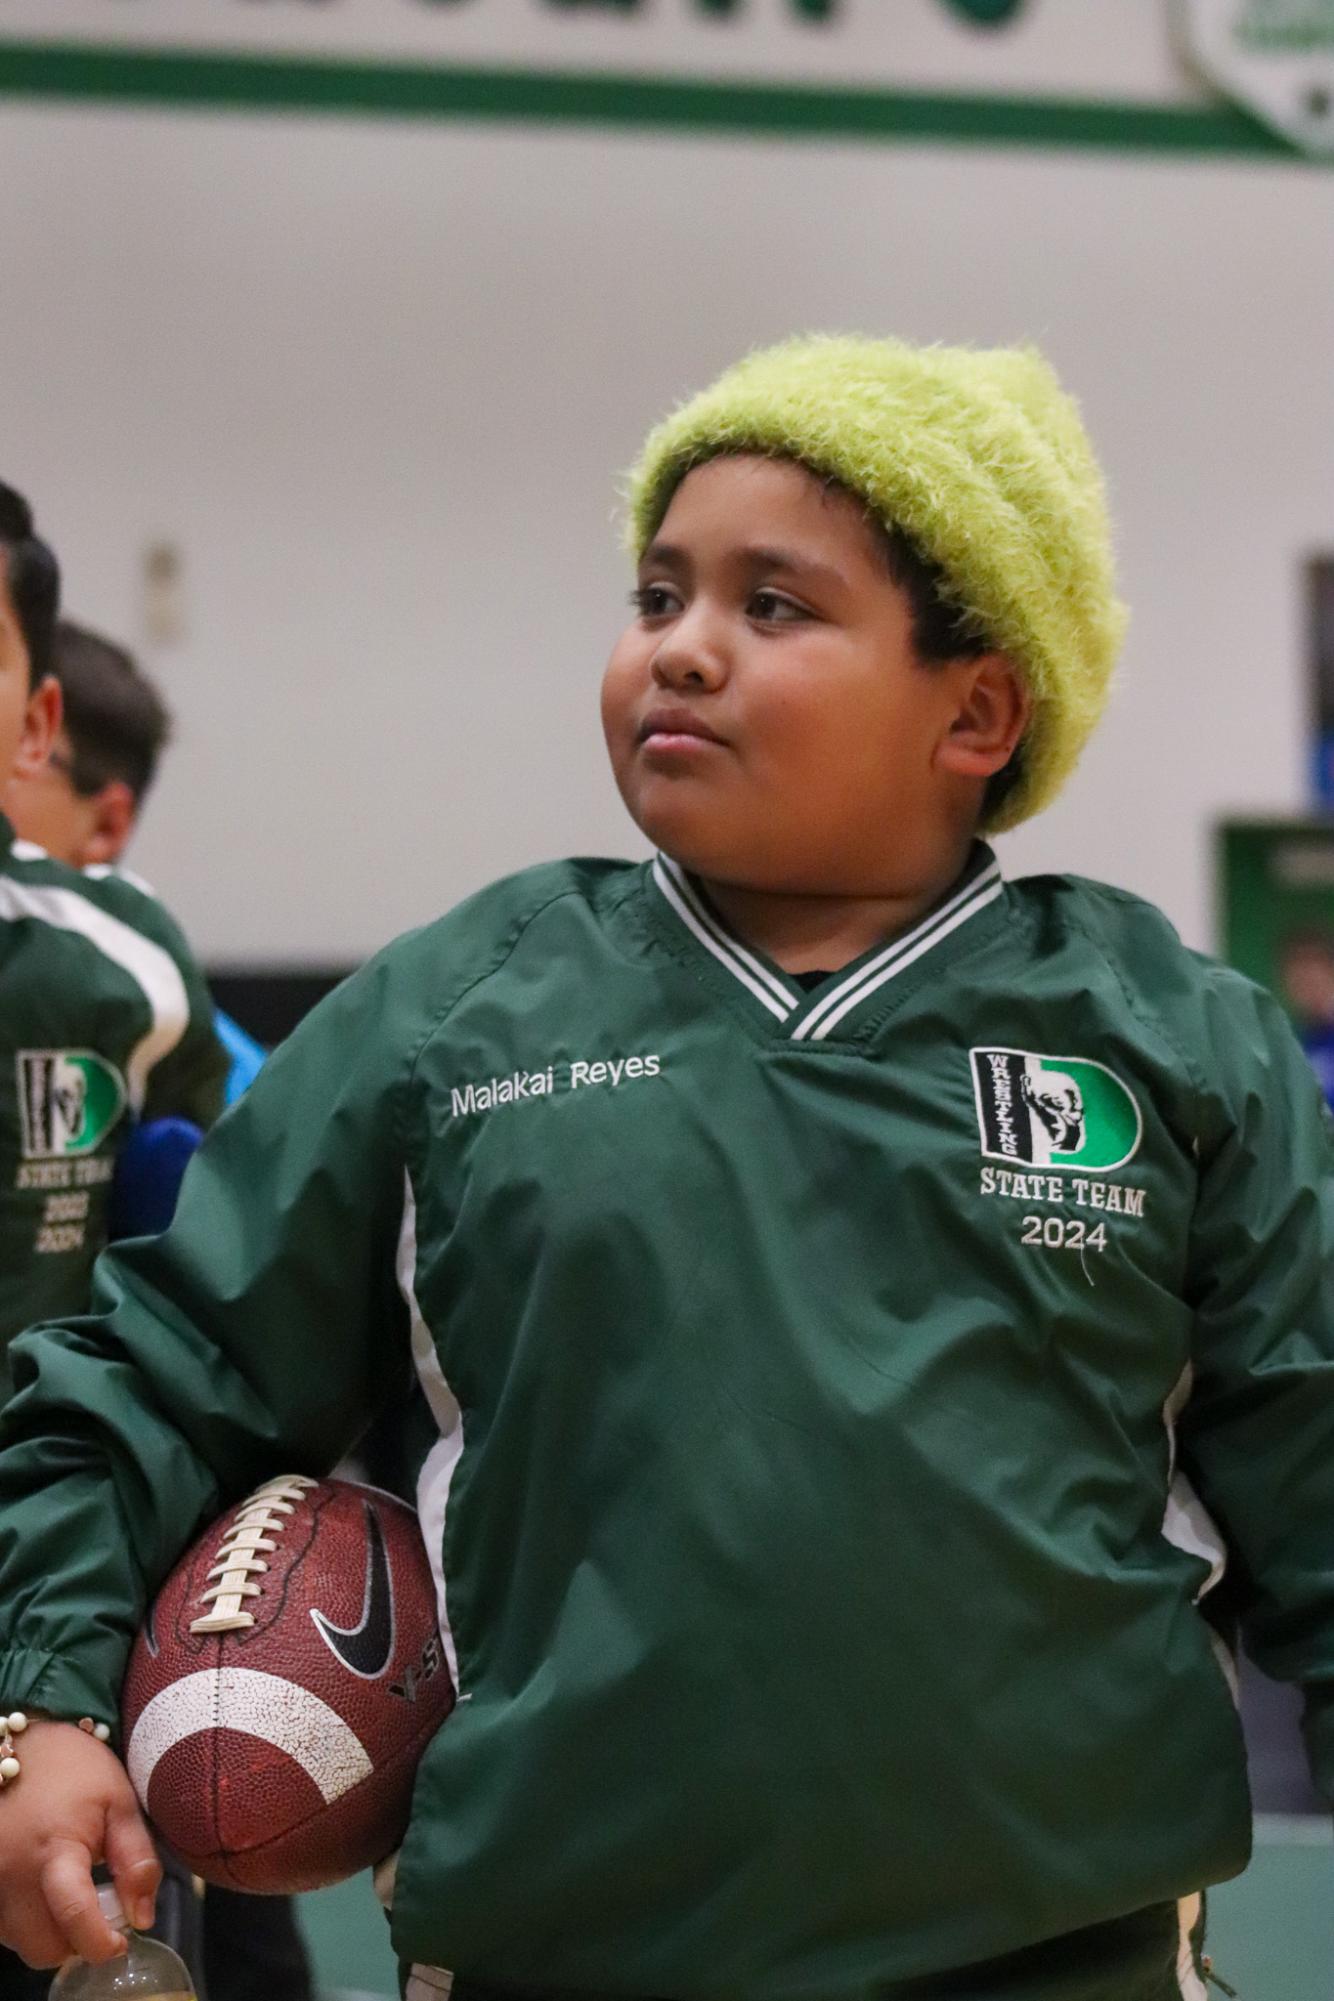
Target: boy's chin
x: 716, y: 846
x: 710, y: 857
x: 687, y: 836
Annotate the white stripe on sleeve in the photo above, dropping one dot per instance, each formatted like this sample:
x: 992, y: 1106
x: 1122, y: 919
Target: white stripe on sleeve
x: 150, y: 965
x: 433, y: 1482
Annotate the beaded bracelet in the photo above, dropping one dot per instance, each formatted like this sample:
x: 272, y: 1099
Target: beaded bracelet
x: 10, y: 1727
x: 15, y: 1724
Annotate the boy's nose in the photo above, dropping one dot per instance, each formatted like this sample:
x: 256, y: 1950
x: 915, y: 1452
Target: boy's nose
x: 689, y: 657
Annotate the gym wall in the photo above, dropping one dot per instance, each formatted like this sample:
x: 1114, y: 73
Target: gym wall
x: 376, y: 377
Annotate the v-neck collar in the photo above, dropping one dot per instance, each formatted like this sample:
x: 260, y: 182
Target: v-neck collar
x: 839, y: 1006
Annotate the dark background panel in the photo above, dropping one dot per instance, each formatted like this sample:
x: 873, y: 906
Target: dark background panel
x: 269, y: 1001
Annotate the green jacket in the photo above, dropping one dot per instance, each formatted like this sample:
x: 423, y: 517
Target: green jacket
x: 843, y: 1400
x: 103, y: 1017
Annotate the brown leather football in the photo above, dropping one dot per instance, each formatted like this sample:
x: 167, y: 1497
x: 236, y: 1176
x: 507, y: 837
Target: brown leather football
x: 288, y: 1677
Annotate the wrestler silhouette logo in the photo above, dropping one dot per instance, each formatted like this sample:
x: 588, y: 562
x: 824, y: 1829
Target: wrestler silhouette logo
x: 1055, y: 1102
x: 69, y: 1100
x: 1053, y: 1111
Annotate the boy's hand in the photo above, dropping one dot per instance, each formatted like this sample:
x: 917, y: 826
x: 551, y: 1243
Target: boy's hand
x: 73, y: 1805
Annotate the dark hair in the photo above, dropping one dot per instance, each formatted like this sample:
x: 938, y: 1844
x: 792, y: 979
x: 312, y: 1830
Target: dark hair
x: 942, y: 630
x: 32, y: 576
x: 116, y: 721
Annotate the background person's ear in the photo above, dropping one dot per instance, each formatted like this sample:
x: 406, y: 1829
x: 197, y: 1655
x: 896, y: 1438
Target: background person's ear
x: 992, y: 714
x: 113, y: 822
x: 41, y: 720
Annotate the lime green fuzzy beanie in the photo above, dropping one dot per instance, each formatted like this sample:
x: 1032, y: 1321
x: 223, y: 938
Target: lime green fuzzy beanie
x: 980, y: 458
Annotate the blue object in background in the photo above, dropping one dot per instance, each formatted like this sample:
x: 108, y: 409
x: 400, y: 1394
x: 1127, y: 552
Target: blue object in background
x: 148, y: 1176
x: 1322, y: 771
x: 247, y: 1055
x: 1318, y: 1042
x: 154, y: 1158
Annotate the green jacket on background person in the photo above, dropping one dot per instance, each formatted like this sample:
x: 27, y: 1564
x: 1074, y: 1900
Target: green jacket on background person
x: 104, y: 1018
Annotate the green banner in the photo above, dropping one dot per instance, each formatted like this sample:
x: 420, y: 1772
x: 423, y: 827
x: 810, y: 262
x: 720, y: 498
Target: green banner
x: 1276, y: 896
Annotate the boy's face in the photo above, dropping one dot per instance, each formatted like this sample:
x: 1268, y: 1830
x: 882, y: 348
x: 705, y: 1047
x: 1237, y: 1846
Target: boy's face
x: 768, y: 721
x: 29, y: 717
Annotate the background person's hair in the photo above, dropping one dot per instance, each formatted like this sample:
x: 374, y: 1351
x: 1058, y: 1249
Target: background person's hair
x: 116, y: 721
x: 32, y: 575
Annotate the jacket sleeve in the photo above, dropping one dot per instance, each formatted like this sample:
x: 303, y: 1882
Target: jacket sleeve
x: 1257, y: 1434
x: 256, y: 1337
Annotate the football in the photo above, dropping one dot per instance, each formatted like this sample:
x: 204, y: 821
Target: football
x: 285, y: 1683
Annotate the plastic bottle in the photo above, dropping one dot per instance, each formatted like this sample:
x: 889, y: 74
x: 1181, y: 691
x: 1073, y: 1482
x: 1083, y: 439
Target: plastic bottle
x: 149, y: 1970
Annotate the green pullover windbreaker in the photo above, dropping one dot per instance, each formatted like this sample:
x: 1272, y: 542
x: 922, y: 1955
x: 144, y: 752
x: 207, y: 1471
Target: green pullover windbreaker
x: 844, y: 1400
x: 104, y: 1017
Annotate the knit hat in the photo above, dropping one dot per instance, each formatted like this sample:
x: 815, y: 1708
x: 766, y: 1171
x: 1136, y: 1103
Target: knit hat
x: 979, y: 457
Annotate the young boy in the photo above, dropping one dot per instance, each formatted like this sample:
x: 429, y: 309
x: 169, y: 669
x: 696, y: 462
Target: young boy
x: 82, y: 806
x: 841, y: 1280
x: 102, y: 1011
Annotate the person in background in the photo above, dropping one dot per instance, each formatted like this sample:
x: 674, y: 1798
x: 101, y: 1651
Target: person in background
x: 1306, y: 987
x: 103, y: 1015
x: 83, y: 805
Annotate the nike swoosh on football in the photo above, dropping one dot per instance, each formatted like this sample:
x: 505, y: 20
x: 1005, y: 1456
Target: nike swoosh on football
x: 368, y: 1647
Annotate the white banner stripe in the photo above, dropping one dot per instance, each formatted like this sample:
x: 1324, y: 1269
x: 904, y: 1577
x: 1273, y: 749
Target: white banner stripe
x: 860, y: 993
x: 726, y: 958
x: 892, y: 953
x: 258, y: 1705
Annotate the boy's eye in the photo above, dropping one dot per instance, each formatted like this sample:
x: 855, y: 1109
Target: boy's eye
x: 772, y: 608
x: 655, y: 601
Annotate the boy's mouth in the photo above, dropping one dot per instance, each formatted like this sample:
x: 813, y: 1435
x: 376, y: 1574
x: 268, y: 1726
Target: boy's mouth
x: 670, y: 727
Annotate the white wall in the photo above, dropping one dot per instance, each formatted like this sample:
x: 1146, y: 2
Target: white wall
x: 377, y: 380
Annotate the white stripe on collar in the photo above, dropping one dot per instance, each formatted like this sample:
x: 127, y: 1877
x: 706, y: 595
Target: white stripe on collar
x: 984, y: 889
x: 743, y: 965
x: 900, y: 953
x: 779, y: 999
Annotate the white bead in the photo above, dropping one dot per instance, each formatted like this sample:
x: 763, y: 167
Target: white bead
x: 102, y: 1732
x: 16, y: 1724
x: 9, y: 1768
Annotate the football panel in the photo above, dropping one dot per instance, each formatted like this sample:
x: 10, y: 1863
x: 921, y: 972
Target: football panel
x: 181, y: 1797
x: 336, y: 1842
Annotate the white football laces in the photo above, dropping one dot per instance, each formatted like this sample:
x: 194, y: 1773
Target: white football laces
x: 239, y: 1561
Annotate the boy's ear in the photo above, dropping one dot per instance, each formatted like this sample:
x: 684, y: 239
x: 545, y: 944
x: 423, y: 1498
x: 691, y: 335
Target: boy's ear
x: 41, y: 720
x: 992, y: 714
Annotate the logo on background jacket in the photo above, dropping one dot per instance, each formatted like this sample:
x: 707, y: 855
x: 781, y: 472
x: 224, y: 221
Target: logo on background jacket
x: 69, y: 1099
x: 1053, y: 1111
